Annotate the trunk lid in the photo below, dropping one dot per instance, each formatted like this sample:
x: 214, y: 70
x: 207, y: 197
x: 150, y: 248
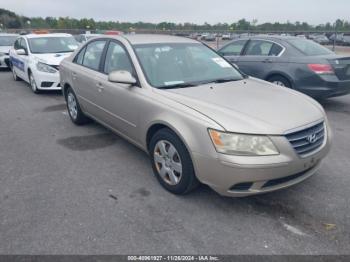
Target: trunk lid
x: 341, y: 67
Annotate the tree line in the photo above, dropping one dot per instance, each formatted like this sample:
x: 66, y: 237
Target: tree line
x: 10, y: 20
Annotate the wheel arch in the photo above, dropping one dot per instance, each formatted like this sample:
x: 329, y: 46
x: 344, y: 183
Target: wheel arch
x: 65, y: 88
x: 154, y: 127
x: 281, y: 74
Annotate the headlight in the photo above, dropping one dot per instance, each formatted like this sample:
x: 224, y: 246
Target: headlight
x: 244, y: 145
x: 45, y: 68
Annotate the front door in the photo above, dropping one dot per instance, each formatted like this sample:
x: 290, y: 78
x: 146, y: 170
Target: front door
x: 119, y: 101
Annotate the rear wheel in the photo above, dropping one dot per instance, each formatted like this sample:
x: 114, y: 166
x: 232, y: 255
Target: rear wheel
x: 172, y: 163
x: 75, y: 113
x: 280, y: 81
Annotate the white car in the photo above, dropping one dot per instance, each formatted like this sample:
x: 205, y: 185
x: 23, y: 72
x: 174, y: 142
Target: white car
x: 35, y: 58
x: 6, y: 42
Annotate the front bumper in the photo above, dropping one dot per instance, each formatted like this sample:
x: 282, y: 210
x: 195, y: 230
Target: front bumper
x: 240, y: 176
x: 47, y: 81
x: 4, y: 61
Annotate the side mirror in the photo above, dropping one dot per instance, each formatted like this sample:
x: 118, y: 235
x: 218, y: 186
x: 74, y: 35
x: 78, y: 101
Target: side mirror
x: 122, y: 77
x: 21, y: 52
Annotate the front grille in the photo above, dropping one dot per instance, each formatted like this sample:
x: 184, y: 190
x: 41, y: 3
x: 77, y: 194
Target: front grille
x: 308, y: 140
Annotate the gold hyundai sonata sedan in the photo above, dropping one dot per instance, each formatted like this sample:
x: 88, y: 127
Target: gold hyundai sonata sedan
x: 198, y: 117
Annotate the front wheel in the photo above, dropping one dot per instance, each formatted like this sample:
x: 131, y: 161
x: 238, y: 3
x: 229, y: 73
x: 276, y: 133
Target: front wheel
x: 32, y: 84
x: 75, y: 113
x: 172, y: 163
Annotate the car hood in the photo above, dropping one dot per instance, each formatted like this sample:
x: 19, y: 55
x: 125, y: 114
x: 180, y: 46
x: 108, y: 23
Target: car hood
x: 250, y: 106
x: 51, y: 59
x: 5, y: 49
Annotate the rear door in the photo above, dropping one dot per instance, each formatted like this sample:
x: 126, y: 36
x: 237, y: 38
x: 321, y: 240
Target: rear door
x: 233, y: 50
x: 260, y: 57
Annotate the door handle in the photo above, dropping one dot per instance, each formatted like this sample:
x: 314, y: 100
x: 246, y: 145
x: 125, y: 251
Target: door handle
x: 100, y: 87
x: 267, y: 60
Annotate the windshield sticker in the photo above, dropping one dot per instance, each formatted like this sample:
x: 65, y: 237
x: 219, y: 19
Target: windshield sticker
x: 173, y: 83
x: 221, y: 62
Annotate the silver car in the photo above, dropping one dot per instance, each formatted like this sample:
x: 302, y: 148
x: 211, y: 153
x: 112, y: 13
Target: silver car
x: 196, y: 115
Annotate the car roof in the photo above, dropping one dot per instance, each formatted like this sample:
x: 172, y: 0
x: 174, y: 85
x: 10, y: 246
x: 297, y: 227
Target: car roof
x: 47, y: 35
x: 154, y: 39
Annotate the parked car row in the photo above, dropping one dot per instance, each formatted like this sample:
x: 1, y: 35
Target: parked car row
x: 320, y: 38
x: 199, y: 117
x: 340, y: 39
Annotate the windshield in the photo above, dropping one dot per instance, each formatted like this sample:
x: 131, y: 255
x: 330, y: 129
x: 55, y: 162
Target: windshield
x: 309, y: 47
x: 44, y: 45
x: 7, y: 40
x: 181, y: 64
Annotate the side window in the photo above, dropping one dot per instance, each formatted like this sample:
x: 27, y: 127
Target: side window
x: 93, y: 53
x: 117, y: 59
x: 259, y: 48
x: 233, y: 49
x: 275, y: 50
x: 79, y: 58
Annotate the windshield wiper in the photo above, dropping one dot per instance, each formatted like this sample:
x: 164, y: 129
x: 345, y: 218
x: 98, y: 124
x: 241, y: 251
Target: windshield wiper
x: 65, y: 51
x: 222, y: 80
x: 180, y: 85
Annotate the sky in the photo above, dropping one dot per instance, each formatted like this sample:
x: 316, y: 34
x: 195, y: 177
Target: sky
x: 180, y: 11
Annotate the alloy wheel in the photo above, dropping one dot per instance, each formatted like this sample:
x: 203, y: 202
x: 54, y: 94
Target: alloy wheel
x: 33, y: 83
x: 168, y: 162
x: 279, y: 83
x: 72, y: 105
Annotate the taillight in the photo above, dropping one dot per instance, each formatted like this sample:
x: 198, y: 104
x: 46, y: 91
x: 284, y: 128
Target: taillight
x: 321, y: 69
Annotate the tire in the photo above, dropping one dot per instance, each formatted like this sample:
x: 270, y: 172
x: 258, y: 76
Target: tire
x: 75, y: 113
x: 280, y: 81
x: 32, y: 83
x: 15, y: 77
x: 173, y: 169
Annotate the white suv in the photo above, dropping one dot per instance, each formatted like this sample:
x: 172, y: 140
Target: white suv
x: 35, y: 58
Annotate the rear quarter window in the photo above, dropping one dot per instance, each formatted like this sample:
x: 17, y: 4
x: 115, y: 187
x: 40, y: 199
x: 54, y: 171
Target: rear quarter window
x: 309, y: 48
